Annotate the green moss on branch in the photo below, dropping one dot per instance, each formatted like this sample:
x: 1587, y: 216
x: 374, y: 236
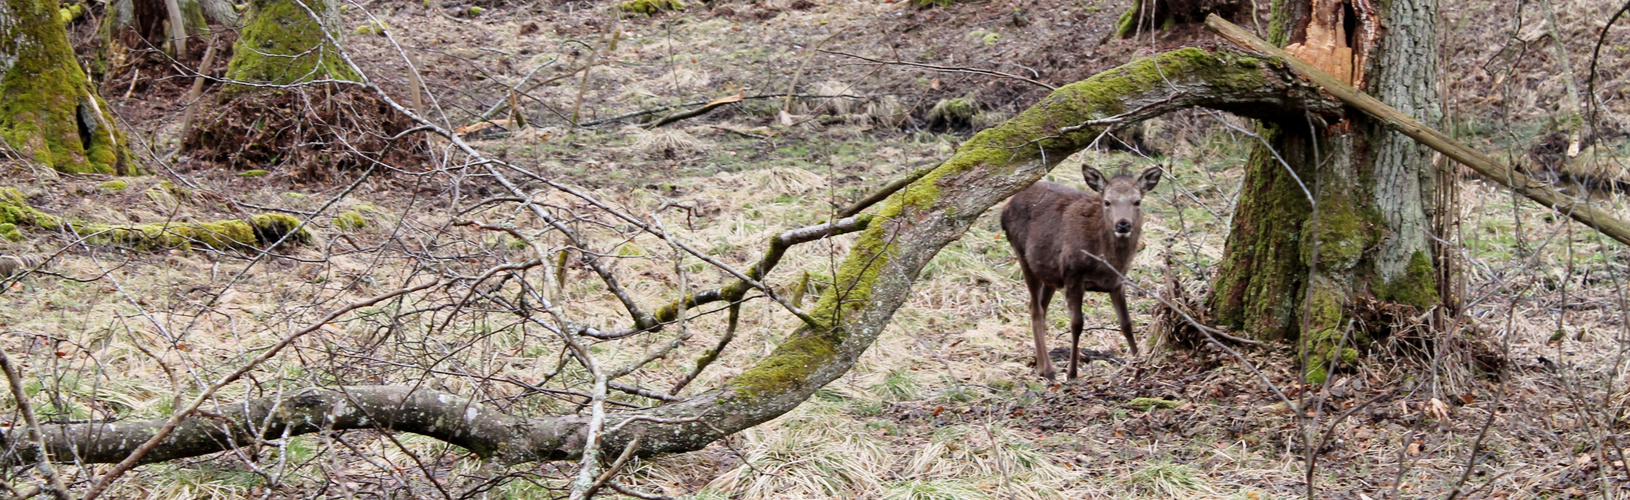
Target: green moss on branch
x: 259, y: 231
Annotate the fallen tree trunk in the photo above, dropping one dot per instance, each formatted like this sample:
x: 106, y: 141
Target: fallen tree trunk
x: 443, y: 416
x: 911, y: 226
x: 257, y: 231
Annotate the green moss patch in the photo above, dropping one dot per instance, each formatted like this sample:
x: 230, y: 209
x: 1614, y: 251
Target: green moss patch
x: 374, y: 28
x: 10, y: 232
x: 1417, y: 287
x: 952, y: 114
x: 650, y: 7
x: 792, y: 363
x: 352, y: 221
x: 1323, y: 339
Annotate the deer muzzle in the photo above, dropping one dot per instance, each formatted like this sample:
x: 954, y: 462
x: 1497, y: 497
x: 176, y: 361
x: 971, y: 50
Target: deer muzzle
x: 1123, y: 228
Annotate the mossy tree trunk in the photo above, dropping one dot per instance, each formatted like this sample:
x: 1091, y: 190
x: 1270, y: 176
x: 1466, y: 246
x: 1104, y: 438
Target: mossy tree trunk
x: 1294, y: 268
x: 283, y: 42
x: 50, y: 110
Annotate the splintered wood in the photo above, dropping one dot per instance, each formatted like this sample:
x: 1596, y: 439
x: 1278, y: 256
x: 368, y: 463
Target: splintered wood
x: 1327, y: 43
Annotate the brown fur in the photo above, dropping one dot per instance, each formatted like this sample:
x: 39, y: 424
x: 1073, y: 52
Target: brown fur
x: 1072, y: 240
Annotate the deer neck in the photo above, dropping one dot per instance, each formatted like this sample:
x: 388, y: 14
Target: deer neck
x: 1118, y: 250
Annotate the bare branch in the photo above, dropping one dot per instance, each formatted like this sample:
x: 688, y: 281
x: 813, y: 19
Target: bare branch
x: 54, y: 482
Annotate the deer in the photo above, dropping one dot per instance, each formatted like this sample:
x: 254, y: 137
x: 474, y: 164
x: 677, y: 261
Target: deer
x: 1079, y: 242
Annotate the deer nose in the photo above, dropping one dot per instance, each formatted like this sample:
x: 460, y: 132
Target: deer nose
x: 1123, y: 226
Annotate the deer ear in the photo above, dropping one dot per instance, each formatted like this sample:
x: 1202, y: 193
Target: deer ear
x: 1095, y: 179
x: 1149, y: 178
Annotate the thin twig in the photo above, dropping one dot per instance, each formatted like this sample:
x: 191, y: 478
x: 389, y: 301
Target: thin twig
x: 882, y: 194
x: 793, y: 85
x: 617, y: 465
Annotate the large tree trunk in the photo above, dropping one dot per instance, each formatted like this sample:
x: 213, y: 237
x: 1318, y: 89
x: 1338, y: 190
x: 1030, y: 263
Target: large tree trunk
x: 1347, y: 212
x: 50, y: 110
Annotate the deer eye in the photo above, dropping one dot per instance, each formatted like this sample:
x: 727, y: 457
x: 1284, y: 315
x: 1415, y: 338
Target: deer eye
x: 1138, y: 203
x: 1106, y: 203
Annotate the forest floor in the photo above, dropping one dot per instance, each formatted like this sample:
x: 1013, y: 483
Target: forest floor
x: 1523, y: 397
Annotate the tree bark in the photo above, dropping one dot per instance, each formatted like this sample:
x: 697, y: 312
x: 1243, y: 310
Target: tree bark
x: 874, y: 280
x: 283, y: 43
x: 51, y: 111
x: 1347, y: 212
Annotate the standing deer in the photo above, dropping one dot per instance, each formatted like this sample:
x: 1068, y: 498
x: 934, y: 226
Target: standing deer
x: 1080, y: 242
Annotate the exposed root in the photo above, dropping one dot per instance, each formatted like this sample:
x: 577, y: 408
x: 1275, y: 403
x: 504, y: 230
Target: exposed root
x: 1171, y: 326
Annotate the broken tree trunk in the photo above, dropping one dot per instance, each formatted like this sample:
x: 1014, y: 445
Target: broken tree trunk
x: 1334, y: 210
x: 1484, y: 165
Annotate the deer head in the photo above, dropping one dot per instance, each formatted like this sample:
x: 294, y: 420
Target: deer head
x: 1122, y: 198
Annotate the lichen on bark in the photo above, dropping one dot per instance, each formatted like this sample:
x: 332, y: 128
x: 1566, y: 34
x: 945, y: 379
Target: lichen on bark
x: 51, y: 111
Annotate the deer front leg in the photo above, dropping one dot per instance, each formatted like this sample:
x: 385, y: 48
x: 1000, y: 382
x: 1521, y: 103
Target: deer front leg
x: 1118, y: 297
x: 1040, y: 296
x: 1072, y: 300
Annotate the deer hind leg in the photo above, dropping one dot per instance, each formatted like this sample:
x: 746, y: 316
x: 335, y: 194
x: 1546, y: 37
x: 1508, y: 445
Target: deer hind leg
x: 1072, y: 301
x: 1118, y: 297
x: 1041, y: 295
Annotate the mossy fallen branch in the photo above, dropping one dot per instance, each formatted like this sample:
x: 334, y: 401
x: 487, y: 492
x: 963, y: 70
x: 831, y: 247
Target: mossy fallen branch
x: 256, y: 232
